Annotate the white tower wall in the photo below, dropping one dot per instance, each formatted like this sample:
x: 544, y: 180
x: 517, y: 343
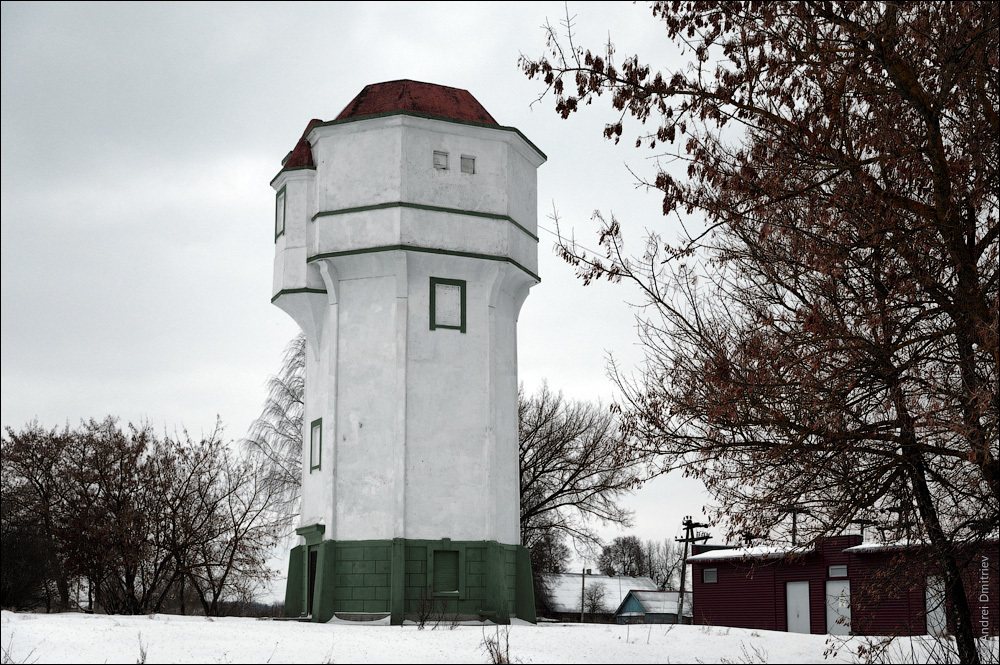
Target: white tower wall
x: 419, y: 426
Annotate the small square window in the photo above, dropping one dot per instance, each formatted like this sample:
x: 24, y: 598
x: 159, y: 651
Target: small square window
x: 447, y: 304
x: 468, y: 164
x: 315, y: 444
x: 441, y: 160
x: 838, y: 571
x: 710, y: 575
x: 279, y: 214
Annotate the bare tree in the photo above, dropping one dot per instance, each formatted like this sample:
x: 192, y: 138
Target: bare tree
x: 574, y: 468
x: 662, y: 561
x: 135, y: 515
x: 594, y: 601
x: 244, y: 529
x: 275, y: 437
x: 828, y: 338
x: 33, y: 461
x: 111, y: 522
x: 549, y: 554
x: 626, y: 555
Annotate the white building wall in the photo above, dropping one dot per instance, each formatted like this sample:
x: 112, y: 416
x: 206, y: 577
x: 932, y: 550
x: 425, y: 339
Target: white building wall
x: 357, y: 163
x: 419, y: 425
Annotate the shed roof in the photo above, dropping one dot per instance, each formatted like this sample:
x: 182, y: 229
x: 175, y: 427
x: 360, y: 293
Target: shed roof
x: 760, y: 552
x: 566, y: 589
x: 417, y: 97
x: 869, y: 547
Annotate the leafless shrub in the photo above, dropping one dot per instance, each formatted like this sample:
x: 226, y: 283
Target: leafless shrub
x: 425, y: 608
x: 5, y: 653
x: 922, y: 649
x: 441, y: 613
x: 143, y: 648
x: 753, y: 653
x: 497, y: 646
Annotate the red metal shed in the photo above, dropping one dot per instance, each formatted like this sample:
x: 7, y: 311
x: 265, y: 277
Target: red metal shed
x: 839, y: 586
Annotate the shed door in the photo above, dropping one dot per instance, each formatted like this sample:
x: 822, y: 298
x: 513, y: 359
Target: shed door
x: 937, y: 621
x: 838, y: 607
x: 797, y: 606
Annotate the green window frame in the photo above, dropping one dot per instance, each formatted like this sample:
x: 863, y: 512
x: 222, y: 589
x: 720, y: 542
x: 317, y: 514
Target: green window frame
x: 280, y: 208
x: 440, y: 281
x: 315, y: 444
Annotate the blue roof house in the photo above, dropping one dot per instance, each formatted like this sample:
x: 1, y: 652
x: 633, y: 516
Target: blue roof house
x: 643, y: 606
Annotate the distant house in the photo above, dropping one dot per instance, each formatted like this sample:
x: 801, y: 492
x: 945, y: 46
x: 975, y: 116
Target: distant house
x: 567, y: 591
x: 840, y: 586
x: 652, y: 607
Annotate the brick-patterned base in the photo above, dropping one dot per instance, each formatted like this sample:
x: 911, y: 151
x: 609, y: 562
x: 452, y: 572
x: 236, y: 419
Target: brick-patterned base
x: 397, y: 578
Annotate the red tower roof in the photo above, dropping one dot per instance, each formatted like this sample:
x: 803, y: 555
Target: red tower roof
x: 417, y: 97
x: 398, y: 96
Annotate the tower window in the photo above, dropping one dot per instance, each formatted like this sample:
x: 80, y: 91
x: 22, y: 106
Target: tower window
x: 468, y: 164
x: 837, y: 571
x: 441, y: 160
x: 279, y: 214
x: 447, y: 304
x: 315, y: 444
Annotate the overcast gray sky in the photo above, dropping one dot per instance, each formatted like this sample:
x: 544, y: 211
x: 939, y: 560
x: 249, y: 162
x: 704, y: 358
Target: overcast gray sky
x: 138, y: 143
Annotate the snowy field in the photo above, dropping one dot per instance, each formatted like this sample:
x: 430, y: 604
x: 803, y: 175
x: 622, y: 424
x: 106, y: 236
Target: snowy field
x: 83, y: 638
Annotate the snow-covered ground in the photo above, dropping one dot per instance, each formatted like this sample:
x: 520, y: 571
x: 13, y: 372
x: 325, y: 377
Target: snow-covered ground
x: 83, y: 638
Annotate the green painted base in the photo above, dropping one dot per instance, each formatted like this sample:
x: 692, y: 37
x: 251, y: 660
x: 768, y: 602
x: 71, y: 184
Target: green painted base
x: 408, y: 579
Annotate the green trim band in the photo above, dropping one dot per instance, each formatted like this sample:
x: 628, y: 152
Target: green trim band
x: 428, y: 116
x: 421, y: 206
x: 304, y: 290
x: 426, y: 250
x: 291, y: 168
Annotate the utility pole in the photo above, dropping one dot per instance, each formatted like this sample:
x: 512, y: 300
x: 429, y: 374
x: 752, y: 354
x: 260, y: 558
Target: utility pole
x: 689, y: 537
x: 583, y: 592
x: 795, y: 511
x: 863, y: 522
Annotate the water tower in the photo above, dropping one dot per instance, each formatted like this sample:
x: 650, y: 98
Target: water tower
x: 405, y: 244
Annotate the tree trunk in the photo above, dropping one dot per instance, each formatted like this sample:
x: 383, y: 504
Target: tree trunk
x: 959, y: 615
x: 63, y: 586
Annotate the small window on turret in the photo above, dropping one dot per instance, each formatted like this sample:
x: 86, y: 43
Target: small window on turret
x: 279, y: 214
x: 468, y: 164
x: 441, y: 160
